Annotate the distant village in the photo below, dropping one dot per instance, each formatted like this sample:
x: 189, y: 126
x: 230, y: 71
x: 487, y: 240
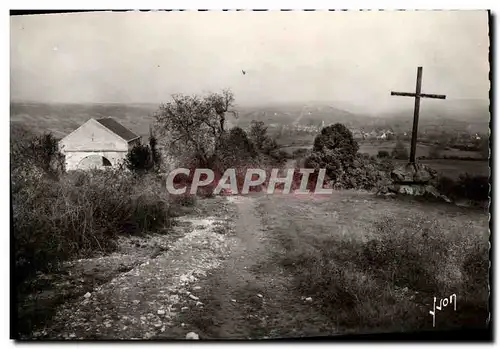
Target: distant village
x: 382, y: 134
x: 358, y: 133
x: 462, y: 139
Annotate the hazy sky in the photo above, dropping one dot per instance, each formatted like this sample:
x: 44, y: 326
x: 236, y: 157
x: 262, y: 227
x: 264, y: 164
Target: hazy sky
x: 353, y: 57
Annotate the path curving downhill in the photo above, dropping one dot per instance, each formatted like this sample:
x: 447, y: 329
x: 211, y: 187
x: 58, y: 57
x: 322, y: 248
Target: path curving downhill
x: 249, y: 296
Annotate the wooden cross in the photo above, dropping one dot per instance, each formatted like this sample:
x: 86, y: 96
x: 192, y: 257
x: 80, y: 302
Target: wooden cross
x: 416, y: 110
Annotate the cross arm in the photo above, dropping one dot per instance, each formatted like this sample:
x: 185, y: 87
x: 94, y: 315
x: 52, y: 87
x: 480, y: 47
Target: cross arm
x: 405, y: 94
x: 413, y: 94
x: 426, y: 95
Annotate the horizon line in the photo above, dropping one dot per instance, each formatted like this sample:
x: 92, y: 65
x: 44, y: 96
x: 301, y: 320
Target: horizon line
x: 329, y: 103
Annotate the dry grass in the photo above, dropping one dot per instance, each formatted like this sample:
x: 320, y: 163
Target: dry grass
x: 82, y: 214
x: 454, y: 168
x: 374, y: 265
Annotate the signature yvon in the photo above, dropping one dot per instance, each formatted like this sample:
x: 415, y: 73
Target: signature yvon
x: 443, y: 303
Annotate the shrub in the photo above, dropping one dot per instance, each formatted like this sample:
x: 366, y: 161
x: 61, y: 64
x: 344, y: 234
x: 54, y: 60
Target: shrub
x: 235, y: 150
x: 386, y: 281
x: 363, y: 173
x: 335, y: 150
x: 279, y: 156
x: 81, y: 214
x: 139, y: 159
x: 40, y: 151
x: 386, y: 165
x: 269, y: 146
x: 446, y: 186
x: 338, y: 139
x: 328, y: 160
x: 475, y: 268
x: 475, y: 188
x: 383, y: 154
x: 395, y: 256
x: 258, y: 134
x: 155, y: 153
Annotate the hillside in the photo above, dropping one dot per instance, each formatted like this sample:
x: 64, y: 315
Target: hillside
x: 61, y: 119
x: 266, y: 266
x: 448, y: 115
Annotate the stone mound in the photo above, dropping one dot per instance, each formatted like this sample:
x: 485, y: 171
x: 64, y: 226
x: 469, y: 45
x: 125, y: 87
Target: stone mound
x: 415, y: 180
x: 413, y: 174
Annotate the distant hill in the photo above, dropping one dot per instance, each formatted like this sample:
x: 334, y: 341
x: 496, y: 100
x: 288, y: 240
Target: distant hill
x: 470, y: 115
x: 61, y: 119
x: 306, y: 114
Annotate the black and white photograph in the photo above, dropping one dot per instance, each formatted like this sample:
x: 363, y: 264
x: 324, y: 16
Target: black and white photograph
x: 250, y: 175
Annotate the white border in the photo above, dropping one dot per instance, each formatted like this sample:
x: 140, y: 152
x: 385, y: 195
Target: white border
x: 255, y: 4
x: 184, y: 4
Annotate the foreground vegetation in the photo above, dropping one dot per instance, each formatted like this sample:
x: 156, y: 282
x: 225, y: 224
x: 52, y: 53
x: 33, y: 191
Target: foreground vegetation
x: 81, y: 214
x: 370, y: 267
x: 58, y: 216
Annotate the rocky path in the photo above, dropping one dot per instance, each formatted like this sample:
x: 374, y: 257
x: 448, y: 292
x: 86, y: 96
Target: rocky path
x: 144, y: 302
x: 249, y: 296
x: 219, y: 281
x: 234, y: 290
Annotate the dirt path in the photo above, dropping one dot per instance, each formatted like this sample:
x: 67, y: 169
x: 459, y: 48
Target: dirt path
x: 144, y: 302
x: 219, y: 280
x: 249, y: 297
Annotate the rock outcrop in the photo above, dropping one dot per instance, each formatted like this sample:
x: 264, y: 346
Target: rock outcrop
x: 414, y: 174
x: 415, y: 180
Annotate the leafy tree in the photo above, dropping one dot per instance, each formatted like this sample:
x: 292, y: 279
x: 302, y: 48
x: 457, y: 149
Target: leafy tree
x: 155, y: 154
x: 196, y: 124
x: 270, y: 145
x: 235, y: 150
x: 338, y: 139
x: 258, y: 134
x: 222, y: 103
x: 334, y: 149
x: 139, y: 159
x: 238, y: 141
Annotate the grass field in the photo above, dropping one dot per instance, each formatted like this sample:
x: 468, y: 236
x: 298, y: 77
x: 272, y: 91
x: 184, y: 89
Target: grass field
x: 373, y: 147
x: 374, y: 265
x: 448, y: 167
x: 454, y: 168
